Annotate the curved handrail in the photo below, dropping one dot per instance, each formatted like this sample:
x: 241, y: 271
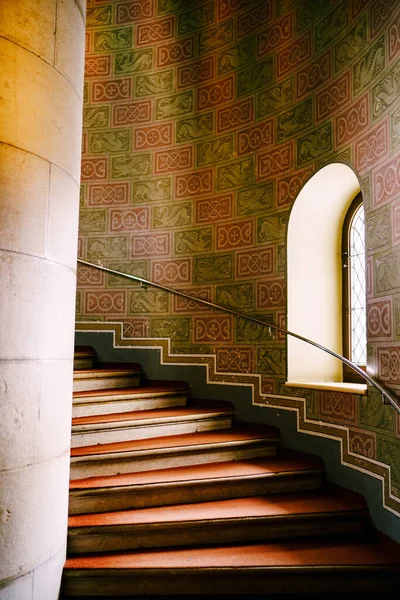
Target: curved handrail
x: 386, y: 396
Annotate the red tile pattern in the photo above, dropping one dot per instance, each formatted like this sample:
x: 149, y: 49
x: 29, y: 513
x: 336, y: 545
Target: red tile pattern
x: 215, y: 94
x: 153, y: 137
x: 212, y: 329
x: 194, y: 184
x: 229, y: 76
x: 134, y: 11
x: 110, y: 90
x: 218, y: 208
x: 131, y: 113
x: 352, y: 121
x: 175, y: 53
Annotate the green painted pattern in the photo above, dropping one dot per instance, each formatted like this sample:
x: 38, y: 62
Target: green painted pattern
x: 369, y: 66
x: 238, y: 173
x: 255, y: 199
x: 386, y: 92
x: 214, y: 150
x: 107, y: 247
x: 254, y: 78
x: 349, y: 46
x: 388, y: 451
x: 130, y: 165
x: 95, y: 117
x: 214, y: 38
x: 113, y: 39
x: 148, y: 302
x: 274, y: 99
x: 99, y: 16
x: 133, y: 61
x: 139, y: 268
x: 151, y: 190
x: 192, y: 128
x: 174, y: 106
x: 235, y: 296
x: 271, y: 361
x: 191, y: 241
x: 395, y: 130
x: 154, y: 83
x: 213, y: 269
x: 331, y: 27
x: 176, y: 328
x: 306, y: 11
x: 272, y: 228
x: 374, y: 414
x: 247, y: 331
x: 295, y: 120
x: 175, y: 215
x: 196, y: 18
x: 314, y: 144
x: 111, y: 141
x: 92, y: 221
x: 236, y: 57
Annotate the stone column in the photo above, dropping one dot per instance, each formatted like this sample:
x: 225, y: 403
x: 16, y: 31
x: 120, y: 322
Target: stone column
x: 41, y: 88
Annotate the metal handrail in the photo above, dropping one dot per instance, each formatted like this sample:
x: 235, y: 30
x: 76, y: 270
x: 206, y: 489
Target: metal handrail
x: 387, y: 398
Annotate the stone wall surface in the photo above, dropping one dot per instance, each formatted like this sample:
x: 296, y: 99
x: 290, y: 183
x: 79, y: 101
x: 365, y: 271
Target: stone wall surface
x: 202, y: 122
x: 42, y: 58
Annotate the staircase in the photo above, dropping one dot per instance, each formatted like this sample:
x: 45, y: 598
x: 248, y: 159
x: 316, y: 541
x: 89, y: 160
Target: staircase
x: 170, y: 496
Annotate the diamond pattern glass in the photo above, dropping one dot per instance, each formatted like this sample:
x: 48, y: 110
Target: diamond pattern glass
x: 358, y: 312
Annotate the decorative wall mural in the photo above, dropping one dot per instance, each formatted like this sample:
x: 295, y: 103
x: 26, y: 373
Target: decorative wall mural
x: 202, y: 122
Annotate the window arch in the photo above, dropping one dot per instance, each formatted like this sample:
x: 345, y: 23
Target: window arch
x: 354, y: 288
x: 314, y: 268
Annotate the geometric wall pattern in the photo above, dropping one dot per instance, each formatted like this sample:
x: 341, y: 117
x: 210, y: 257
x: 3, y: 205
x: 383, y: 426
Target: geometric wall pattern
x: 202, y: 122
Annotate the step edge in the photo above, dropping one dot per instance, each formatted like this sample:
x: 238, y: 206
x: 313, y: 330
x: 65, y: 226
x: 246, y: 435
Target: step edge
x: 174, y: 449
x: 76, y: 530
x: 113, y: 425
x: 209, y: 481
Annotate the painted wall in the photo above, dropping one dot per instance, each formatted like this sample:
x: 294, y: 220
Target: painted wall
x: 202, y: 122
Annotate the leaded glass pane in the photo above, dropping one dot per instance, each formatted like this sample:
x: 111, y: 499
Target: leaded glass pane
x: 358, y: 319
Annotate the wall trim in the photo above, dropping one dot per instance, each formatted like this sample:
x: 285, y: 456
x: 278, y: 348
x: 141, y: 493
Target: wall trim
x: 296, y: 404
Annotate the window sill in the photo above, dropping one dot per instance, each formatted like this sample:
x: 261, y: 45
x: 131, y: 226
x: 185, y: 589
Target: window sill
x: 333, y: 386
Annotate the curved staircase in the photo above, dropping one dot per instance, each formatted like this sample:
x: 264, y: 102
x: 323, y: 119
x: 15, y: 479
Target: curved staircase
x: 171, y: 496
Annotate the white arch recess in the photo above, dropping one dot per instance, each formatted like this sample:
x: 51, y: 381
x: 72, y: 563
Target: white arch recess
x: 315, y: 273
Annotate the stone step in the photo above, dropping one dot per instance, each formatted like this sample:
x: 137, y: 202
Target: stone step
x: 84, y: 357
x: 240, y: 442
x: 286, y: 472
x: 347, y: 566
x: 156, y: 394
x: 318, y: 513
x: 107, y: 377
x: 202, y: 415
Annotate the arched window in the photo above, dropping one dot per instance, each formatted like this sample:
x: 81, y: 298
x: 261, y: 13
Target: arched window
x: 354, y: 289
x: 315, y: 302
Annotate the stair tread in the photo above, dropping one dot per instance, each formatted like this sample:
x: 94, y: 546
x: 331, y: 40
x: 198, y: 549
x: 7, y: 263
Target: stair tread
x: 155, y: 387
x: 239, y: 433
x: 331, y: 499
x: 286, y: 462
x: 200, y: 408
x: 84, y: 350
x: 310, y: 552
x: 105, y: 370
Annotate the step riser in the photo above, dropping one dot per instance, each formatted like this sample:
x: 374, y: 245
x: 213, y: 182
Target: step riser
x: 112, y: 465
x: 82, y: 363
x: 90, y: 407
x: 131, y: 537
x: 114, y: 434
x: 105, y: 383
x: 230, y: 581
x: 139, y: 497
